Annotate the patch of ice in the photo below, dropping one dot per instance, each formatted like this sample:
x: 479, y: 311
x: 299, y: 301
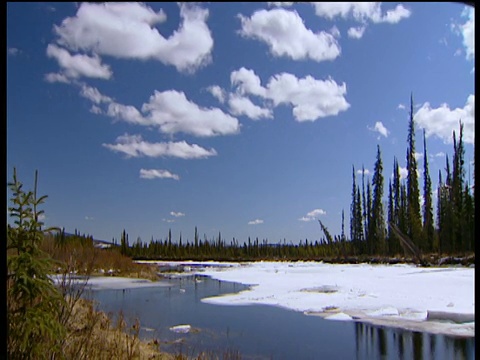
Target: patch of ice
x: 339, y: 316
x: 385, y: 311
x: 181, y: 329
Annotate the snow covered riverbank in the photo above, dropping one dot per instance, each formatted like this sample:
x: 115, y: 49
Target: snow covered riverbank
x: 390, y: 295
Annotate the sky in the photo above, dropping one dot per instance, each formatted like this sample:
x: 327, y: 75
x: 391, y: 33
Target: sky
x: 238, y: 118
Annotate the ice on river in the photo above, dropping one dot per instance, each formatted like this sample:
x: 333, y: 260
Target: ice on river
x: 391, y: 295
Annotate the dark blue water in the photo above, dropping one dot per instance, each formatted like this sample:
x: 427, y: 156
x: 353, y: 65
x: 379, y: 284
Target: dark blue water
x: 264, y: 332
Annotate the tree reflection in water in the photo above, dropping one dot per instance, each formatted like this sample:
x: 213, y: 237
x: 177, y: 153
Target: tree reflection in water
x: 376, y: 342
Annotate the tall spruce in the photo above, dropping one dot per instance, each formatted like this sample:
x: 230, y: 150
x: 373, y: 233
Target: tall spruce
x: 377, y: 219
x: 391, y: 219
x: 458, y: 180
x: 353, y: 210
x: 428, y: 226
x: 413, y: 193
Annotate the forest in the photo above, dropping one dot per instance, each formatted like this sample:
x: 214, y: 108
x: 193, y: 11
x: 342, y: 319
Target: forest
x: 406, y: 224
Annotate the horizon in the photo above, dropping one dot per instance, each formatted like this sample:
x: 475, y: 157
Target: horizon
x: 243, y: 119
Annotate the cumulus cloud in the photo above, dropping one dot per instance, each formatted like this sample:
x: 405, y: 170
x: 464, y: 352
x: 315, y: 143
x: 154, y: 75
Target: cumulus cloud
x: 89, y: 218
x: 401, y: 107
x: 172, y: 112
x: 177, y: 214
x: 76, y: 66
x: 442, y: 121
x: 335, y: 32
x: 468, y: 32
x: 135, y: 146
x: 157, y: 173
x: 57, y: 77
x: 127, y: 30
x: 255, y: 222
x: 217, y: 92
x: 247, y: 82
x: 356, y: 32
x: 286, y: 35
x: 312, y: 215
x: 240, y: 105
x: 94, y: 95
x: 311, y: 98
x: 380, y: 128
x: 361, y: 11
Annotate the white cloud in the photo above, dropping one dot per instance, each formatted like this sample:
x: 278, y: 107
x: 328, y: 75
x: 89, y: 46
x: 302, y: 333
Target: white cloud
x: 311, y: 98
x: 177, y: 214
x: 75, y: 66
x: 312, y: 215
x: 255, y: 222
x: 57, y: 77
x: 172, y: 112
x: 217, y: 92
x: 356, y: 32
x: 94, y: 95
x: 135, y: 146
x: 247, y: 82
x: 13, y: 51
x: 401, y: 107
x: 157, y: 173
x: 89, y: 218
x: 280, y: 3
x: 396, y: 15
x: 365, y: 171
x: 240, y: 105
x: 361, y: 11
x: 96, y: 110
x: 286, y: 35
x: 335, y: 32
x: 127, y: 113
x: 418, y: 156
x: 468, y: 32
x: 127, y: 30
x: 403, y: 172
x: 442, y: 121
x: 439, y: 154
x: 168, y: 220
x: 380, y: 128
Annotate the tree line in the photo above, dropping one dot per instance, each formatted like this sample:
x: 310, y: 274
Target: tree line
x: 450, y: 229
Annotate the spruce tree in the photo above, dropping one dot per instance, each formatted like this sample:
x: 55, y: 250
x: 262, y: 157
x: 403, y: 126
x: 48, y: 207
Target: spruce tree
x: 377, y: 220
x: 413, y: 193
x: 428, y: 226
x: 34, y: 328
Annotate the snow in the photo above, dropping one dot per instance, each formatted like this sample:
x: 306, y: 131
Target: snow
x: 181, y: 329
x: 393, y: 295
x: 111, y: 282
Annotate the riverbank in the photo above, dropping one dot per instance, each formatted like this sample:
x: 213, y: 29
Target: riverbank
x: 398, y: 295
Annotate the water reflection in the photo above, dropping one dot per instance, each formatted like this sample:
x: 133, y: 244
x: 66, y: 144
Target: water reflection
x: 265, y: 332
x: 388, y: 343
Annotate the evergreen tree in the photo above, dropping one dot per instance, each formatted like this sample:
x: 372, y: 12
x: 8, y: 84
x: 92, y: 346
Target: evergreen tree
x: 428, y: 226
x: 377, y: 220
x: 34, y: 305
x: 413, y: 194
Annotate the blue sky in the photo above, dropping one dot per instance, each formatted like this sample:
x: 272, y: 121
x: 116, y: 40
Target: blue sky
x: 243, y: 118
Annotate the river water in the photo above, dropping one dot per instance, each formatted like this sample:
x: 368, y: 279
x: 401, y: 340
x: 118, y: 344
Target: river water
x: 263, y: 332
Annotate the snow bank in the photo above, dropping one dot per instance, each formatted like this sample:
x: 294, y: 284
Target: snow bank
x: 393, y: 295
x: 111, y: 282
